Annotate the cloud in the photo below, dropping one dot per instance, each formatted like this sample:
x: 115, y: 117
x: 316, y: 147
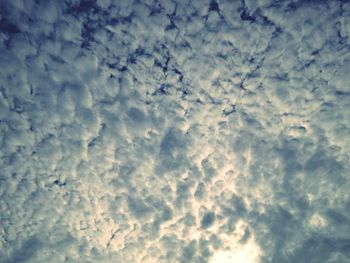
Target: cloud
x: 174, y: 131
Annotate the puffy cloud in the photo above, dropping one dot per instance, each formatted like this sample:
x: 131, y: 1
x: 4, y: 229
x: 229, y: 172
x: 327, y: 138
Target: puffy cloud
x: 174, y: 131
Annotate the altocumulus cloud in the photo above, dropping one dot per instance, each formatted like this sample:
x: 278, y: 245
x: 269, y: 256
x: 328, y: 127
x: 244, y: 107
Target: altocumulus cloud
x: 174, y: 131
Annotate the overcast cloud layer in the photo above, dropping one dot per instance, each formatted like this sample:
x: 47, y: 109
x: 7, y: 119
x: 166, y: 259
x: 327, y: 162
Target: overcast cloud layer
x: 174, y: 131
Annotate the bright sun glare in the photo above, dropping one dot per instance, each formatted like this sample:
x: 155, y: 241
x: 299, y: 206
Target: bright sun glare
x: 246, y: 254
x: 230, y: 257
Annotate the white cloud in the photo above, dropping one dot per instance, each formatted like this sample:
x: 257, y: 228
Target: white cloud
x: 174, y: 131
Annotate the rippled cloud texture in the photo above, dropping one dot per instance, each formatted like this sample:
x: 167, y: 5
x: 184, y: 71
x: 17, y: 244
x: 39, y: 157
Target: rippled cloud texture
x: 174, y: 131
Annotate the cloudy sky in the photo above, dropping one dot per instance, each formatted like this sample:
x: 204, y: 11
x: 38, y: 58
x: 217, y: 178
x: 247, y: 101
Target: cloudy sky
x: 174, y: 131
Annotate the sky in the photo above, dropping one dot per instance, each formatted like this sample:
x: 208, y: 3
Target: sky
x: 174, y: 131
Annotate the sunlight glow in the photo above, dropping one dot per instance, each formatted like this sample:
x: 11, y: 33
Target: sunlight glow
x: 249, y: 253
x: 237, y: 257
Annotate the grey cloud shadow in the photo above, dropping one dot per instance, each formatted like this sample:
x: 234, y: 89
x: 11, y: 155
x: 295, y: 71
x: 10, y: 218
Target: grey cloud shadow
x: 26, y: 252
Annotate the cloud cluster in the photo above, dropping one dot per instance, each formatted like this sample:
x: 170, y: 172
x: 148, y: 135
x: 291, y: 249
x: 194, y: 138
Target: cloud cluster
x: 174, y: 131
